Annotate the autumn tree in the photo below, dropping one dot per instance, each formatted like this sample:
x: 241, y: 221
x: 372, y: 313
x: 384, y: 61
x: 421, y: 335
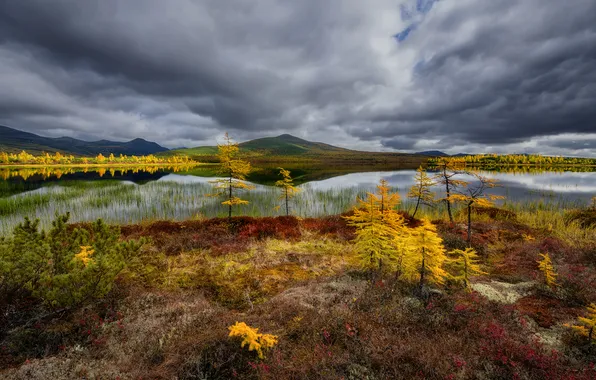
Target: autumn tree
x: 4, y: 158
x: 427, y: 254
x: 378, y: 228
x: 465, y: 263
x: 476, y: 194
x: 445, y: 177
x: 25, y: 157
x: 288, y: 190
x: 420, y: 191
x: 548, y: 270
x: 100, y: 158
x: 234, y: 170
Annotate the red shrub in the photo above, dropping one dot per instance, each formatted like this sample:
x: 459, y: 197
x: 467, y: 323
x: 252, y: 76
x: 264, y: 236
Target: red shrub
x: 331, y: 225
x: 281, y: 227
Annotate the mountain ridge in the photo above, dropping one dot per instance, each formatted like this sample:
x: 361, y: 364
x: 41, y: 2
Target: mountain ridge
x: 289, y: 148
x: 14, y: 140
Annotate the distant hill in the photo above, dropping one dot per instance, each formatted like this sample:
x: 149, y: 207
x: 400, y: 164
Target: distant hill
x: 13, y: 140
x: 432, y: 153
x: 288, y: 145
x: 438, y: 153
x: 291, y: 148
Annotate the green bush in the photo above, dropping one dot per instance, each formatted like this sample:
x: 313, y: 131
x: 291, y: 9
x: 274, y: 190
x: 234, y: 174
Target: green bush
x: 64, y: 267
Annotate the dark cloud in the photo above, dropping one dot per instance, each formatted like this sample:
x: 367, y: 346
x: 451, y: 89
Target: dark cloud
x: 575, y: 144
x: 459, y: 75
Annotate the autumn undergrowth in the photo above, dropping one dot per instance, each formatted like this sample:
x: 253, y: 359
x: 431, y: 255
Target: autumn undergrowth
x: 181, y: 285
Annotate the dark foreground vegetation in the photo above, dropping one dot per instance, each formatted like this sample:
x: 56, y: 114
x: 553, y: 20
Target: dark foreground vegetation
x: 160, y: 301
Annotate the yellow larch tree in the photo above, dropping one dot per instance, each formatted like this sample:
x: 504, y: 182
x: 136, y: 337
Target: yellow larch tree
x: 421, y: 190
x: 587, y: 324
x: 476, y: 194
x: 288, y: 190
x: 445, y: 176
x: 548, y: 270
x: 387, y: 203
x: 234, y: 170
x: 427, y: 254
x: 465, y: 263
x: 378, y: 229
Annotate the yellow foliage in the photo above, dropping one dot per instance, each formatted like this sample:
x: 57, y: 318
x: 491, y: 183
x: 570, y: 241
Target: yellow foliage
x: 85, y: 255
x: 546, y: 267
x: 466, y: 263
x: 235, y: 171
x: 250, y: 336
x: 421, y: 190
x: 586, y: 324
x: 234, y: 201
x: 287, y: 187
x: 379, y: 230
x: 427, y: 253
x: 528, y: 237
x: 386, y: 201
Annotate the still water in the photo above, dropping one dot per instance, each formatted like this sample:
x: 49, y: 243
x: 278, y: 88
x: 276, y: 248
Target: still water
x: 127, y: 196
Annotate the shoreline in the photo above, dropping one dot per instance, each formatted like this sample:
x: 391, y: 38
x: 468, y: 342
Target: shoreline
x: 100, y: 165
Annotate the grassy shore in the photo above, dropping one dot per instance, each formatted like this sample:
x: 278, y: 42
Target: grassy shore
x: 169, y: 311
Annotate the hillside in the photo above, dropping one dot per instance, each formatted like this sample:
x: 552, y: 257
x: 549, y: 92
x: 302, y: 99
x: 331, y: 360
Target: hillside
x: 286, y: 148
x: 13, y: 141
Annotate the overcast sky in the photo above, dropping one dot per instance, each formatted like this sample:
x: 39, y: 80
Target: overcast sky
x: 453, y: 75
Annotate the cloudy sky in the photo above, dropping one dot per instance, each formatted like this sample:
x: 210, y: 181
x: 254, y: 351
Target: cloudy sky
x: 454, y: 75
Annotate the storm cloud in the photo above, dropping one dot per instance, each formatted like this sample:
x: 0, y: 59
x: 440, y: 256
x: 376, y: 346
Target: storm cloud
x: 463, y: 75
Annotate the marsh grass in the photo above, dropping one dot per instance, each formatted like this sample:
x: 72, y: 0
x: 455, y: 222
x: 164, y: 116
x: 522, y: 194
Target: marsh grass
x: 126, y: 202
x: 123, y: 202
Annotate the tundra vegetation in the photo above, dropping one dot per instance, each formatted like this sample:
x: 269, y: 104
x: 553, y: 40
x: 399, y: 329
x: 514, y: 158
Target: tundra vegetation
x: 459, y: 289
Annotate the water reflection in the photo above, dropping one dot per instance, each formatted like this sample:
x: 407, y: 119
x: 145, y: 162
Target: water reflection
x: 573, y: 186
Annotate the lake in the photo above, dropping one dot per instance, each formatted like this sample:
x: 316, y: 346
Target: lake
x: 126, y: 195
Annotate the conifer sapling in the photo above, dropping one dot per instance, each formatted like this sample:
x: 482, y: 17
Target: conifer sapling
x: 466, y: 264
x: 234, y: 170
x: 548, y: 270
x: 420, y: 191
x: 288, y: 190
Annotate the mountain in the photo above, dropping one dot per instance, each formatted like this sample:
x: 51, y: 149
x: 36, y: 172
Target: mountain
x: 285, y: 145
x: 432, y: 153
x: 291, y: 148
x: 13, y: 140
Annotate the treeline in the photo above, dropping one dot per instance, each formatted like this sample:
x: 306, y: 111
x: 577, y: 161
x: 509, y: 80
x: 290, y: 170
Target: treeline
x: 514, y: 159
x: 57, y: 171
x: 58, y: 158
